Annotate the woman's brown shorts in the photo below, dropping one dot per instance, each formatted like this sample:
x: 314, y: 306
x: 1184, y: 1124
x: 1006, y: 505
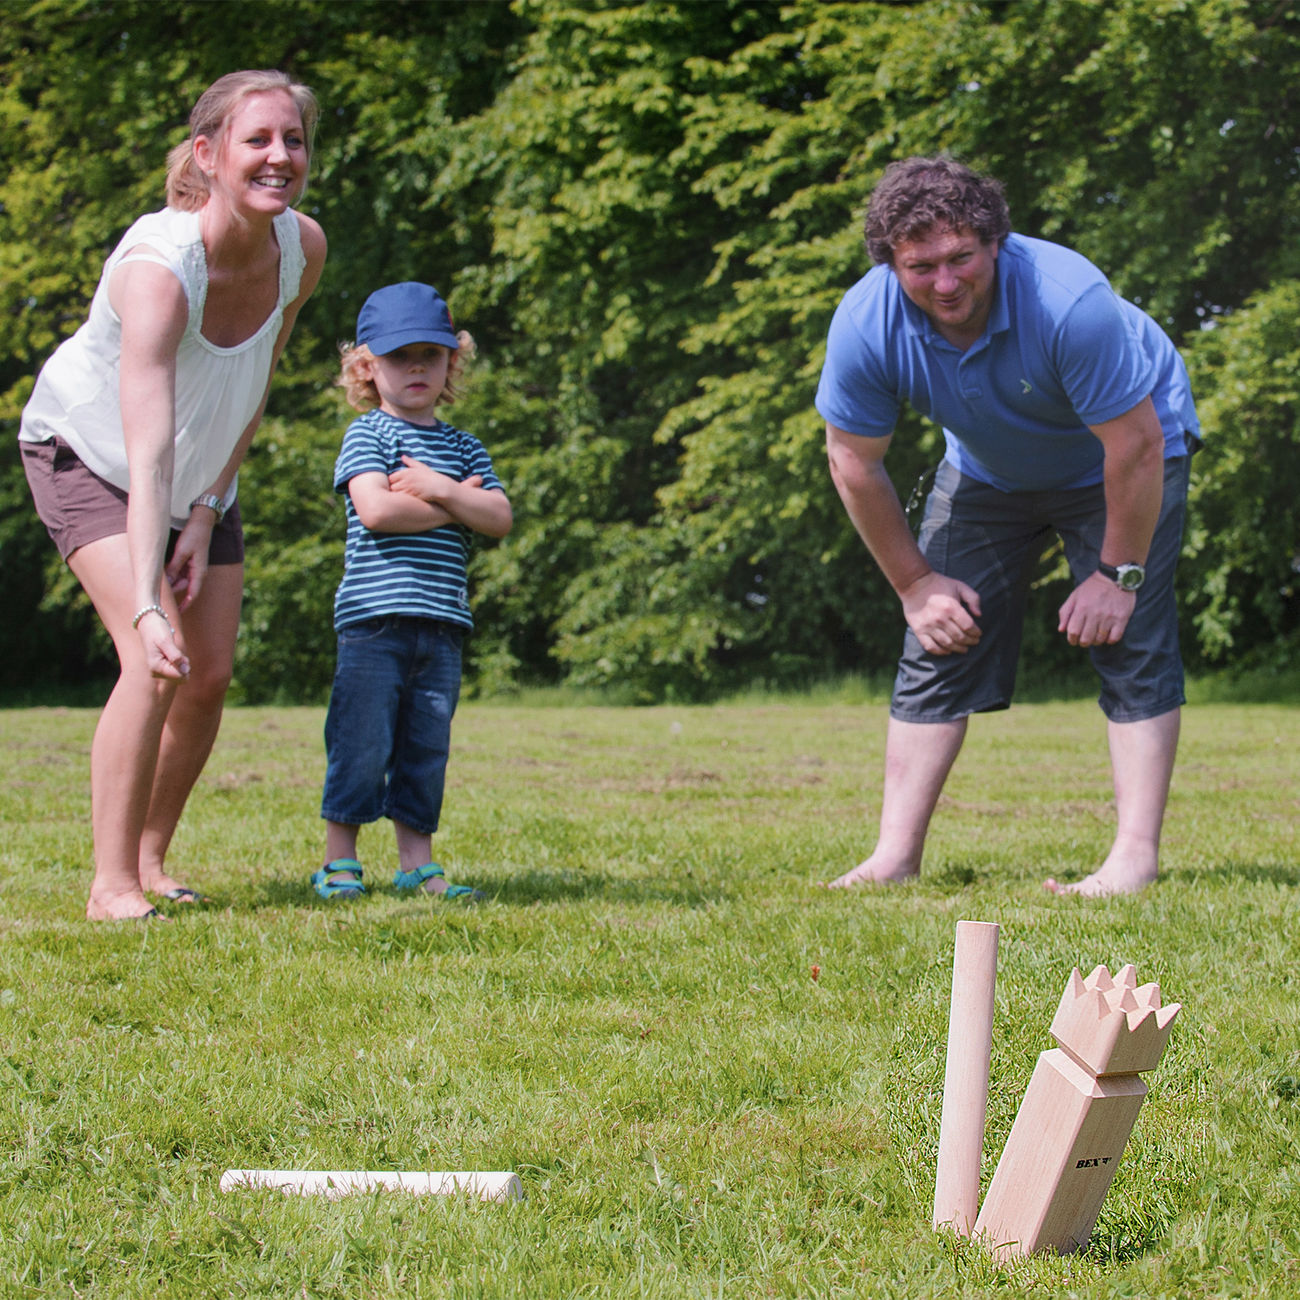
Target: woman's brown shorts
x: 78, y: 507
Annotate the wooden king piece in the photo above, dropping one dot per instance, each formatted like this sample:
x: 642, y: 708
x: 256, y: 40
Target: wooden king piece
x: 1078, y: 1111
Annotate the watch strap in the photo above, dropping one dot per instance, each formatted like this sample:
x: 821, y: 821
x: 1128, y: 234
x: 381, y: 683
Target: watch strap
x: 213, y: 503
x: 1127, y: 577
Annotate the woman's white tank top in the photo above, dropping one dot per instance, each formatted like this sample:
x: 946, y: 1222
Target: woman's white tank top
x: 218, y: 390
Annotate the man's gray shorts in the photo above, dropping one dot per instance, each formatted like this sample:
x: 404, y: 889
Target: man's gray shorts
x: 992, y: 540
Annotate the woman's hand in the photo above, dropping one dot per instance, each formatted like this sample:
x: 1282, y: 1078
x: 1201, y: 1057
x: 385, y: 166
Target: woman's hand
x: 164, y: 657
x: 189, y: 563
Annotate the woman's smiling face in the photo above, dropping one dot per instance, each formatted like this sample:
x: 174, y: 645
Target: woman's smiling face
x: 261, y: 161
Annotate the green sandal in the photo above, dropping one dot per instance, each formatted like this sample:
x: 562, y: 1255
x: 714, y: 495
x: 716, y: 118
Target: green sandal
x: 416, y: 879
x: 328, y: 887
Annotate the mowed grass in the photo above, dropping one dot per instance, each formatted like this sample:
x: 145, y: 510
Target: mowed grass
x: 713, y: 1078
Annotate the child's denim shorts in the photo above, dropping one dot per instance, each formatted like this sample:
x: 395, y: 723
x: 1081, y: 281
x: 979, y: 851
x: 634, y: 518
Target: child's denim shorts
x: 992, y: 540
x: 388, y: 729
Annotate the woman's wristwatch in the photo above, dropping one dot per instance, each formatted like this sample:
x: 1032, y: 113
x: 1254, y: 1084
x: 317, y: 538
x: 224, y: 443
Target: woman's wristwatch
x: 213, y: 503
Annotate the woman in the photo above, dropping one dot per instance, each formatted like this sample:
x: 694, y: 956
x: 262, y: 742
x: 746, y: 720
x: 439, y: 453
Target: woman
x: 132, y: 439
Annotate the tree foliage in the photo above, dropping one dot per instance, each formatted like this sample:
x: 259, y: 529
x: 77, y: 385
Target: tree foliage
x: 1242, y: 557
x: 646, y: 213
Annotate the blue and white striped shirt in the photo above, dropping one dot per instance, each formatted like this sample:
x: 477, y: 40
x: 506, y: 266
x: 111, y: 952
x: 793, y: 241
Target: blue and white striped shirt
x: 418, y: 574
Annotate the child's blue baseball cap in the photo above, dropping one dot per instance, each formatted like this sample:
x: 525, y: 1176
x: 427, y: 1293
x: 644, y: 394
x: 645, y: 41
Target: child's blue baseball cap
x: 404, y: 313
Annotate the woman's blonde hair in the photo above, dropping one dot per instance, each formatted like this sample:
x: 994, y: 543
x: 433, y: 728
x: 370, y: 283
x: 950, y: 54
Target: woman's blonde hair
x: 359, y: 388
x: 187, y: 187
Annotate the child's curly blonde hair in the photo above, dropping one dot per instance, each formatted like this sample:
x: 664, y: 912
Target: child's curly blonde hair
x: 358, y: 385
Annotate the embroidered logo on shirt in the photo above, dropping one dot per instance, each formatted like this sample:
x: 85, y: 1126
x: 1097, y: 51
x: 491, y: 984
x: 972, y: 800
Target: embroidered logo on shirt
x: 1026, y: 386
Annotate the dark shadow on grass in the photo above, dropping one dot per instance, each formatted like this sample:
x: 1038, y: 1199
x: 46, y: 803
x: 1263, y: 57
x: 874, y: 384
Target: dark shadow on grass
x: 1253, y: 873
x: 1127, y: 1241
x: 536, y: 886
x: 958, y: 875
x: 523, y: 889
x: 284, y: 892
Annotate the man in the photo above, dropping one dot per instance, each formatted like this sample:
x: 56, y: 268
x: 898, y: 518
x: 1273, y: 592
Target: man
x: 1065, y: 410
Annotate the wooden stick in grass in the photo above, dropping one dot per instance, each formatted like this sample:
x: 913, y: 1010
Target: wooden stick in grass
x: 966, y: 1080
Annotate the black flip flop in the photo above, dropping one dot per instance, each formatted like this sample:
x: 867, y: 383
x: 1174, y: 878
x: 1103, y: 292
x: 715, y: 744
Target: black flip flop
x: 183, y: 895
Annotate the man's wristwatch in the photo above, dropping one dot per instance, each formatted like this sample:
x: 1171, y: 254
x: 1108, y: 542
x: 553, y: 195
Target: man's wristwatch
x: 213, y: 503
x: 1127, y: 577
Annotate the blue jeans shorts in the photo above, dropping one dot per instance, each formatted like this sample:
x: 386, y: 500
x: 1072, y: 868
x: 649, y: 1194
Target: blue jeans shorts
x: 992, y: 540
x: 388, y: 729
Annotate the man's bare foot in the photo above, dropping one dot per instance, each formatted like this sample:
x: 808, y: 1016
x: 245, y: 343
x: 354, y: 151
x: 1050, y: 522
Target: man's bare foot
x: 876, y: 872
x: 1113, y: 877
x: 122, y: 907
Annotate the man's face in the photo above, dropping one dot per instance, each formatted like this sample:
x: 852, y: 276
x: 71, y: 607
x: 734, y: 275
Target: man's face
x: 949, y: 275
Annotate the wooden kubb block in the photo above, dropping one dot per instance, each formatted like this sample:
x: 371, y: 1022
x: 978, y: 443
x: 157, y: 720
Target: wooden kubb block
x: 1078, y: 1111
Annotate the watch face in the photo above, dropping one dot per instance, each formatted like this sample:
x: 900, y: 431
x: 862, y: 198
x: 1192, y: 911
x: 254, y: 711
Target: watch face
x: 1130, y: 576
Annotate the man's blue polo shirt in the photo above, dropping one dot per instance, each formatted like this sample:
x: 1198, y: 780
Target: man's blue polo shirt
x: 1061, y: 351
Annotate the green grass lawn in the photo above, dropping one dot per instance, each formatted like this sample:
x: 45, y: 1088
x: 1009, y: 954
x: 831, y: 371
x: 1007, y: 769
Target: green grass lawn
x: 632, y: 1023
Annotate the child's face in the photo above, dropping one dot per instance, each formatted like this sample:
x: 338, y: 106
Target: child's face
x: 411, y: 379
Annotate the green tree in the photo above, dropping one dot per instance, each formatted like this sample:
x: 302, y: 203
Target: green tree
x: 646, y: 213
x: 92, y: 95
x: 1242, y: 554
x: 600, y: 261
x: 1113, y: 126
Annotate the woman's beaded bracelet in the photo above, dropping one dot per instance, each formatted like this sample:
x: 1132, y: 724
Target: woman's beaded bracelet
x: 153, y: 609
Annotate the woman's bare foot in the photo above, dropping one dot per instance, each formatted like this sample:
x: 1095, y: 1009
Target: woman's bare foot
x: 133, y: 906
x: 876, y: 871
x: 162, y: 885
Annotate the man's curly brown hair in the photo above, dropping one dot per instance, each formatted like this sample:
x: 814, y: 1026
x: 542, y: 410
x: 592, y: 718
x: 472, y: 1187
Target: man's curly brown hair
x: 920, y: 194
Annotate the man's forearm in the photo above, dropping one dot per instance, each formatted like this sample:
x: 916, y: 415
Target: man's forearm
x: 873, y: 506
x: 1133, y: 496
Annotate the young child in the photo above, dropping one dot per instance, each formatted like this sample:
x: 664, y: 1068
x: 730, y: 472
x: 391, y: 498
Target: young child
x: 415, y: 488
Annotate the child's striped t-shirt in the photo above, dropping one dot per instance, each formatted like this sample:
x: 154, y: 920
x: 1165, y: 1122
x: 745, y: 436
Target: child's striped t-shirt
x: 418, y: 574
